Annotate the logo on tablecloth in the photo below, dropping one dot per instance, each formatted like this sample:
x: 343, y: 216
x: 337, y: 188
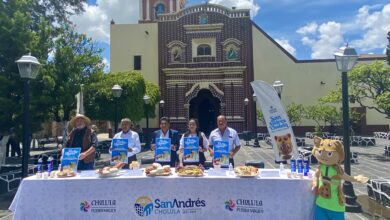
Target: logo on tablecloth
x: 143, y: 206
x: 245, y: 205
x: 230, y: 205
x: 84, y: 206
x: 98, y: 206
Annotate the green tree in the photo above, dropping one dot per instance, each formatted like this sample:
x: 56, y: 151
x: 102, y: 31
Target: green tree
x: 99, y: 100
x: 369, y: 85
x: 25, y: 28
x: 295, y: 113
x: 323, y: 115
x: 76, y: 59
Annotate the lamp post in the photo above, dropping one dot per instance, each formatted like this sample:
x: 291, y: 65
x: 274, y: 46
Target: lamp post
x: 162, y: 103
x: 146, y: 102
x: 278, y: 86
x: 256, y: 143
x: 117, y: 92
x: 246, y: 102
x: 346, y: 58
x: 28, y: 69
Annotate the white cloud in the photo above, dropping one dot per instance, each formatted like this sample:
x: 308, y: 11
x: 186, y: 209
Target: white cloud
x: 375, y: 25
x: 239, y: 4
x: 328, y: 38
x: 286, y: 45
x: 95, y: 21
x: 372, y: 23
x: 310, y: 28
x: 106, y: 64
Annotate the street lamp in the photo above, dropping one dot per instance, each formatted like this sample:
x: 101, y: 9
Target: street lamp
x: 162, y: 103
x: 346, y: 58
x: 117, y: 92
x: 256, y: 143
x: 278, y: 86
x: 246, y: 102
x: 28, y: 69
x: 146, y: 102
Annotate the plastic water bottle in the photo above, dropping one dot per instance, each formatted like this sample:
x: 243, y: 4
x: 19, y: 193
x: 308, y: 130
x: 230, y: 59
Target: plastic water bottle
x: 306, y: 166
x: 300, y: 164
x: 293, y: 165
x: 50, y: 165
x: 231, y: 169
x: 39, y: 165
x: 281, y: 168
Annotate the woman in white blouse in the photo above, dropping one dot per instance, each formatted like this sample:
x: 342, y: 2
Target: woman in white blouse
x: 193, y: 131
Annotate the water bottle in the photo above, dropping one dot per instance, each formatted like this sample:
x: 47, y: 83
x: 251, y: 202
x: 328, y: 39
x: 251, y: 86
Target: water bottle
x: 50, y: 165
x: 300, y: 164
x: 281, y: 168
x: 293, y: 165
x: 306, y: 166
x: 231, y: 169
x: 39, y: 166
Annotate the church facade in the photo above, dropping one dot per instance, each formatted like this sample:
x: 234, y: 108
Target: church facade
x: 205, y: 56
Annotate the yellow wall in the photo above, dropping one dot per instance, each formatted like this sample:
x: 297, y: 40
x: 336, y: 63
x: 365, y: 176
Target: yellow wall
x: 129, y: 40
x: 302, y: 81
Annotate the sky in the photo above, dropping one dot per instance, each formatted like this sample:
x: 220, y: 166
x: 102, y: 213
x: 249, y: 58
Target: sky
x: 307, y: 29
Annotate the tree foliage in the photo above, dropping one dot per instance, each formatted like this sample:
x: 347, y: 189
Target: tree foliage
x: 369, y: 85
x: 99, y: 99
x: 76, y: 60
x: 388, y: 48
x: 27, y: 26
x: 295, y: 113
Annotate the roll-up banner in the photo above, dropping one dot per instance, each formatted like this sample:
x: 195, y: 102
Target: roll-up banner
x: 278, y: 124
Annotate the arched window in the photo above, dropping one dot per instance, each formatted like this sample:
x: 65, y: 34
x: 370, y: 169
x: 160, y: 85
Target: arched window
x: 204, y: 50
x: 160, y: 8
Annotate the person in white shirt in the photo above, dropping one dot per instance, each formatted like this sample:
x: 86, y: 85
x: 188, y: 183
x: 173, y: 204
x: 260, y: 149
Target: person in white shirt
x: 225, y: 133
x: 134, y: 146
x: 193, y: 131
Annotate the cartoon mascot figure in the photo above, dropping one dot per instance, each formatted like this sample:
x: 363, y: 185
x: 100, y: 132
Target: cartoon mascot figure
x: 327, y: 180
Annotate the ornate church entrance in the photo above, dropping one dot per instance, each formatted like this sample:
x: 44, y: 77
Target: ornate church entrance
x: 205, y: 107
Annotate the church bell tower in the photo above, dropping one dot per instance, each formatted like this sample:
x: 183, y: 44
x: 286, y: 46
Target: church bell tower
x: 150, y: 9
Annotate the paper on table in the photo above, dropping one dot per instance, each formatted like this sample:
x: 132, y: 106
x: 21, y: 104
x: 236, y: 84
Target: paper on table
x: 269, y: 173
x: 217, y: 172
x: 139, y: 172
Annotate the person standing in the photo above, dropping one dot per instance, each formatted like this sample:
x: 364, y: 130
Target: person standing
x: 225, y: 133
x: 82, y: 137
x: 193, y: 131
x: 166, y: 132
x: 134, y: 145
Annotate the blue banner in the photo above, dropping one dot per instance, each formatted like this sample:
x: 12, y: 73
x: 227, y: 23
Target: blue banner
x: 163, y: 150
x: 70, y: 159
x: 119, y: 151
x: 221, y: 152
x: 191, y: 149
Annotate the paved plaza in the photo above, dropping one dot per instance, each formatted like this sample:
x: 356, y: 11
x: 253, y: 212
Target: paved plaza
x: 371, y: 163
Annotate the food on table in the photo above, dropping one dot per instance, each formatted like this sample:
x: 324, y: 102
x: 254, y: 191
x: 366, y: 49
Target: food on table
x: 157, y: 170
x: 134, y: 165
x: 190, y: 171
x: 110, y: 170
x: 66, y: 172
x: 246, y: 171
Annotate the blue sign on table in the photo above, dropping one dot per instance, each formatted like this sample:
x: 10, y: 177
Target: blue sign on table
x: 191, y: 149
x: 70, y: 159
x: 163, y: 150
x: 119, y: 151
x: 221, y: 152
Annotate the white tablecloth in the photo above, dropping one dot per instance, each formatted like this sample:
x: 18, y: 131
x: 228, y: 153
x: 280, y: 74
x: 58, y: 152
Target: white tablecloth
x: 172, y: 197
